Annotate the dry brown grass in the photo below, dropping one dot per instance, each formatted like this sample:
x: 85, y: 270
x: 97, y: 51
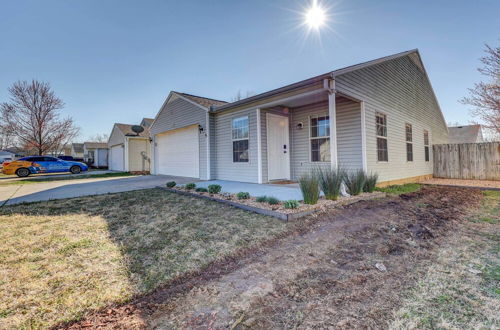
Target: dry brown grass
x: 461, y: 288
x: 59, y: 259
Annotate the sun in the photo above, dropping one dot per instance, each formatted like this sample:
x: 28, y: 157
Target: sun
x: 315, y: 16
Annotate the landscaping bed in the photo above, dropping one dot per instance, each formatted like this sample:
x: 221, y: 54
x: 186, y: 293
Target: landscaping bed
x: 272, y: 206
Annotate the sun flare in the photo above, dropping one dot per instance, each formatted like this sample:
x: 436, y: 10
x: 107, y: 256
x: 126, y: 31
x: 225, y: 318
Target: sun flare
x: 315, y: 16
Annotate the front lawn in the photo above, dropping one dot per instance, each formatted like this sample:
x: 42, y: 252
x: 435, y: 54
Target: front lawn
x: 39, y: 179
x: 61, y: 258
x: 400, y: 189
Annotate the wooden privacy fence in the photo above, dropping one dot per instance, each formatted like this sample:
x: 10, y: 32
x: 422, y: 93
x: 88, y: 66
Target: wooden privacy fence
x: 479, y: 161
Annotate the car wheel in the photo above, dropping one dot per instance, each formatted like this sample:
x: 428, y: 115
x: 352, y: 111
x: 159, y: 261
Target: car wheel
x: 75, y: 169
x: 22, y: 172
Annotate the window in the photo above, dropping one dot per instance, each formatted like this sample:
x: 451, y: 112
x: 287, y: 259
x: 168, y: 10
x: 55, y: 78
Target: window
x: 381, y: 126
x: 320, y: 138
x: 426, y: 145
x: 239, y: 133
x: 409, y: 143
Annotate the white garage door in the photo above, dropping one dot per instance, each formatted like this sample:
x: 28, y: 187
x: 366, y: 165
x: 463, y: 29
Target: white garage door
x: 178, y: 151
x: 116, y: 158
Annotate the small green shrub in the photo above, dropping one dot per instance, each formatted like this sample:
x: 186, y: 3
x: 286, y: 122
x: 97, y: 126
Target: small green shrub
x: 261, y: 199
x: 309, y: 187
x: 171, y: 184
x: 214, y: 188
x: 355, y: 181
x: 330, y: 181
x: 243, y: 195
x: 201, y: 189
x: 273, y: 200
x: 291, y: 204
x: 190, y: 186
x: 370, y: 182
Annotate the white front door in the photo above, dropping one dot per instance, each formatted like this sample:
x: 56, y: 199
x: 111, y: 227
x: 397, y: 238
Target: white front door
x: 278, y: 148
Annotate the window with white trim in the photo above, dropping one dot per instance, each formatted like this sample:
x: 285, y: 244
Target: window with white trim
x: 426, y: 145
x: 239, y: 133
x: 320, y: 138
x: 381, y: 128
x: 409, y: 142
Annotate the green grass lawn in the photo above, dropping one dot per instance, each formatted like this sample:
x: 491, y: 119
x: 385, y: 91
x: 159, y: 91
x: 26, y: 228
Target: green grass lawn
x: 66, y: 177
x: 461, y: 289
x: 59, y: 259
x: 400, y: 189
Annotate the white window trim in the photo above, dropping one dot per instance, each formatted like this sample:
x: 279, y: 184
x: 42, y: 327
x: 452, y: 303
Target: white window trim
x: 410, y: 142
x: 381, y: 136
x: 309, y: 127
x: 427, y: 145
x: 240, y: 139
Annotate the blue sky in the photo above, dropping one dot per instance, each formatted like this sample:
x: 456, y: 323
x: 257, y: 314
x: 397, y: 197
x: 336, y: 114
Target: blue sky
x: 115, y: 61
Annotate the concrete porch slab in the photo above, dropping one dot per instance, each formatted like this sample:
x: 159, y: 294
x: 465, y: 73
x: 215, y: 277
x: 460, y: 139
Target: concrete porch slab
x: 282, y: 192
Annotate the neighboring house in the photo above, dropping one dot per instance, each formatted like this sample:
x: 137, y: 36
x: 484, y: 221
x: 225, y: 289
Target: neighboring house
x: 95, y: 154
x: 128, y: 150
x: 77, y: 150
x: 465, y: 134
x: 6, y: 155
x: 383, y: 115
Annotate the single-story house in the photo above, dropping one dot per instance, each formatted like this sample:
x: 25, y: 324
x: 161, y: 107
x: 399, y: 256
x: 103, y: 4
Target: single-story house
x: 380, y: 116
x: 6, y: 155
x: 465, y: 134
x: 77, y: 150
x: 95, y: 154
x: 130, y: 150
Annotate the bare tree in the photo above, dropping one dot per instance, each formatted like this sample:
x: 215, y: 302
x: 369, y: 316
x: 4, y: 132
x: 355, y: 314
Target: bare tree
x: 33, y: 117
x: 6, y: 138
x: 485, y: 96
x: 99, y: 137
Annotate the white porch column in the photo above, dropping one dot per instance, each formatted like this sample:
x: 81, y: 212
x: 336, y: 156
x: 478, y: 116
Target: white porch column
x: 125, y: 155
x: 259, y: 147
x: 363, y: 137
x: 207, y: 136
x: 333, y: 124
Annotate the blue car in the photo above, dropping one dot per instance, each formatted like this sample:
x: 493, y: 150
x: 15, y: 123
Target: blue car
x: 48, y: 164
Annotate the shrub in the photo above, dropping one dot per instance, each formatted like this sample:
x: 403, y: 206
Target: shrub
x: 201, y: 189
x: 330, y: 181
x: 171, y: 184
x: 310, y: 188
x: 370, y: 183
x: 190, y: 186
x: 214, y: 188
x: 261, y: 199
x: 291, y: 204
x: 355, y: 181
x: 273, y: 200
x: 243, y: 195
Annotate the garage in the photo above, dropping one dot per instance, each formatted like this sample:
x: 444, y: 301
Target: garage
x: 117, y: 159
x: 177, y: 152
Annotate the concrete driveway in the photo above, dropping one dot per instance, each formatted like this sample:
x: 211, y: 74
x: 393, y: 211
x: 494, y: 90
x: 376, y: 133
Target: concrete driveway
x: 33, y: 192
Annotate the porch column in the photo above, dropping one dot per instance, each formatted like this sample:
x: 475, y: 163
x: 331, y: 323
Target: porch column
x: 363, y: 137
x: 333, y: 124
x: 259, y: 147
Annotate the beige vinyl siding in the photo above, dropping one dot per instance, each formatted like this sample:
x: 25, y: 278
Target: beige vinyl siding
x: 135, y: 147
x: 116, y: 137
x: 399, y: 89
x: 179, y: 113
x: 225, y: 169
x: 349, y: 134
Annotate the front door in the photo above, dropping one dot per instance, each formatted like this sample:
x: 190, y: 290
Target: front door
x: 278, y: 148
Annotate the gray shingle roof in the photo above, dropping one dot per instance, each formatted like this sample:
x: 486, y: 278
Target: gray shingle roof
x: 96, y: 145
x: 203, y: 101
x: 465, y: 134
x: 127, y: 130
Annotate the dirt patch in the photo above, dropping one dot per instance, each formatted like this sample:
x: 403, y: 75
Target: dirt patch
x: 488, y: 184
x: 347, y: 271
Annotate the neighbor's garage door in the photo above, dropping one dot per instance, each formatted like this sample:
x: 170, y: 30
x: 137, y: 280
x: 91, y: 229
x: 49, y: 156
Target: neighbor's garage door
x: 177, y: 152
x: 116, y: 159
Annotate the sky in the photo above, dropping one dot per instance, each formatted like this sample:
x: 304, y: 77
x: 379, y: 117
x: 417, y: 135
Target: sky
x: 116, y: 61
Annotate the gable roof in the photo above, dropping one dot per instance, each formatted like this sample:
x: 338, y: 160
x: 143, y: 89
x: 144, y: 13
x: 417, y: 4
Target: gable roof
x: 203, y: 101
x: 77, y: 147
x: 146, y: 122
x: 465, y: 134
x: 126, y: 129
x: 95, y: 145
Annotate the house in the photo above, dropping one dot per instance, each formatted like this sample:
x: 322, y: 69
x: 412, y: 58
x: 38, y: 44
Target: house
x: 381, y: 116
x: 95, y: 154
x: 465, y: 134
x: 6, y: 155
x: 77, y: 150
x: 129, y: 149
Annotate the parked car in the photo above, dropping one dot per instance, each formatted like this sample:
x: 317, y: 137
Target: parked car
x: 42, y: 164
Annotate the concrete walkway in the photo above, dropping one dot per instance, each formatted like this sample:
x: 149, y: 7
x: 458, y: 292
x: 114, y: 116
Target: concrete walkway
x: 282, y: 192
x: 43, y: 191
